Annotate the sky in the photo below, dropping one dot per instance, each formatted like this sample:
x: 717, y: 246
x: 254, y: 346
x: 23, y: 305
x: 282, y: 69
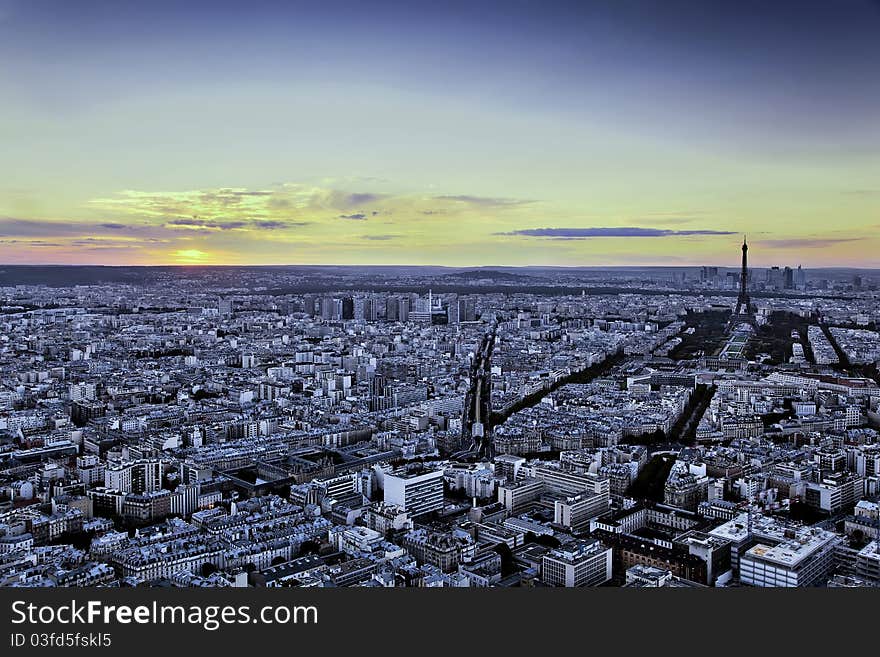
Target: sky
x: 590, y: 133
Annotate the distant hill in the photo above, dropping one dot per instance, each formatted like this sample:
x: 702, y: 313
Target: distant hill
x: 482, y: 274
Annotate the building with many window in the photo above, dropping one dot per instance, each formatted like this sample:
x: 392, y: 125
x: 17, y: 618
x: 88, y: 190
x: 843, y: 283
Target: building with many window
x: 585, y: 563
x: 415, y: 493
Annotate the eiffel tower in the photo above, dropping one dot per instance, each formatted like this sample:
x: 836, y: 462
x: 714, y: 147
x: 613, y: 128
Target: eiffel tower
x: 745, y: 311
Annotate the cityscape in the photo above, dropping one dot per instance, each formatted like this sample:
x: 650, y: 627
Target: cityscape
x: 480, y: 294
x: 440, y: 428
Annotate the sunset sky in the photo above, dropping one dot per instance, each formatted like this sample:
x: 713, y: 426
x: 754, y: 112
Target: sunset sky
x: 615, y: 132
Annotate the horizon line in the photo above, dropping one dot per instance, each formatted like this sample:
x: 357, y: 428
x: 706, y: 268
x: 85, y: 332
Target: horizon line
x: 454, y: 267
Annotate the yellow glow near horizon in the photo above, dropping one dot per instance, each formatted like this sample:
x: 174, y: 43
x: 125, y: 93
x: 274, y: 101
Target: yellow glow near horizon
x: 297, y: 223
x: 190, y: 256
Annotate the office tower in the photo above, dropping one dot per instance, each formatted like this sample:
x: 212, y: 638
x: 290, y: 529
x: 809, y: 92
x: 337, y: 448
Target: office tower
x: 360, y: 308
x: 327, y: 307
x: 508, y: 466
x: 467, y: 310
x: 422, y: 312
x: 582, y: 563
x: 404, y: 308
x: 775, y: 278
x: 802, y: 560
x: 417, y: 494
x: 576, y: 512
x: 348, y: 308
x: 452, y: 309
x: 392, y: 309
x: 709, y: 275
x: 380, y: 393
x: 800, y: 278
x: 134, y: 477
x: 365, y: 309
x: 309, y: 303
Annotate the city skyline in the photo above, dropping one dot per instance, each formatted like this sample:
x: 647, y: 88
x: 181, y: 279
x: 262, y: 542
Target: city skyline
x: 579, y: 135
x: 342, y: 427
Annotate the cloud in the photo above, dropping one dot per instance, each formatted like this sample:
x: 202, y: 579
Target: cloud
x: 227, y: 197
x: 862, y: 192
x: 379, y: 238
x: 278, y: 225
x: 204, y: 224
x: 14, y: 227
x: 483, y: 201
x: 221, y: 209
x: 671, y: 218
x: 361, y: 198
x: 341, y: 200
x: 206, y: 203
x: 807, y: 242
x: 624, y: 231
x: 24, y: 229
x: 36, y: 243
x: 196, y: 223
x: 88, y: 240
x: 111, y: 244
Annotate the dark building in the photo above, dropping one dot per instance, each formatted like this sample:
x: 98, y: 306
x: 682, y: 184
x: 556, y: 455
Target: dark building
x: 82, y: 412
x: 381, y: 395
x: 467, y: 310
x: 392, y: 309
x: 348, y: 308
x: 309, y: 302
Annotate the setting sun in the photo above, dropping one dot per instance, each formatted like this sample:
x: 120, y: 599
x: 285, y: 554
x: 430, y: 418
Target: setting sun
x: 190, y: 255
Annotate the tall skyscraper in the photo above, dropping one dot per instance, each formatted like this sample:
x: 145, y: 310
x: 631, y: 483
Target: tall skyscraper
x: 404, y: 308
x: 348, y: 308
x: 327, y: 308
x: 309, y: 302
x: 467, y: 310
x: 392, y: 309
x: 800, y: 278
x: 364, y: 309
x: 775, y: 278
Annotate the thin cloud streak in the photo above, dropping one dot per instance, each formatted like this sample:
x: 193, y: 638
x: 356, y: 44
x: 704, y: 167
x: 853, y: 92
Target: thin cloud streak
x: 806, y: 242
x: 484, y: 201
x: 379, y: 238
x: 625, y: 231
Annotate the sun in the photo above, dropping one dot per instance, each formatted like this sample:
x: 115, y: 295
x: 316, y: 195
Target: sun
x: 190, y: 255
